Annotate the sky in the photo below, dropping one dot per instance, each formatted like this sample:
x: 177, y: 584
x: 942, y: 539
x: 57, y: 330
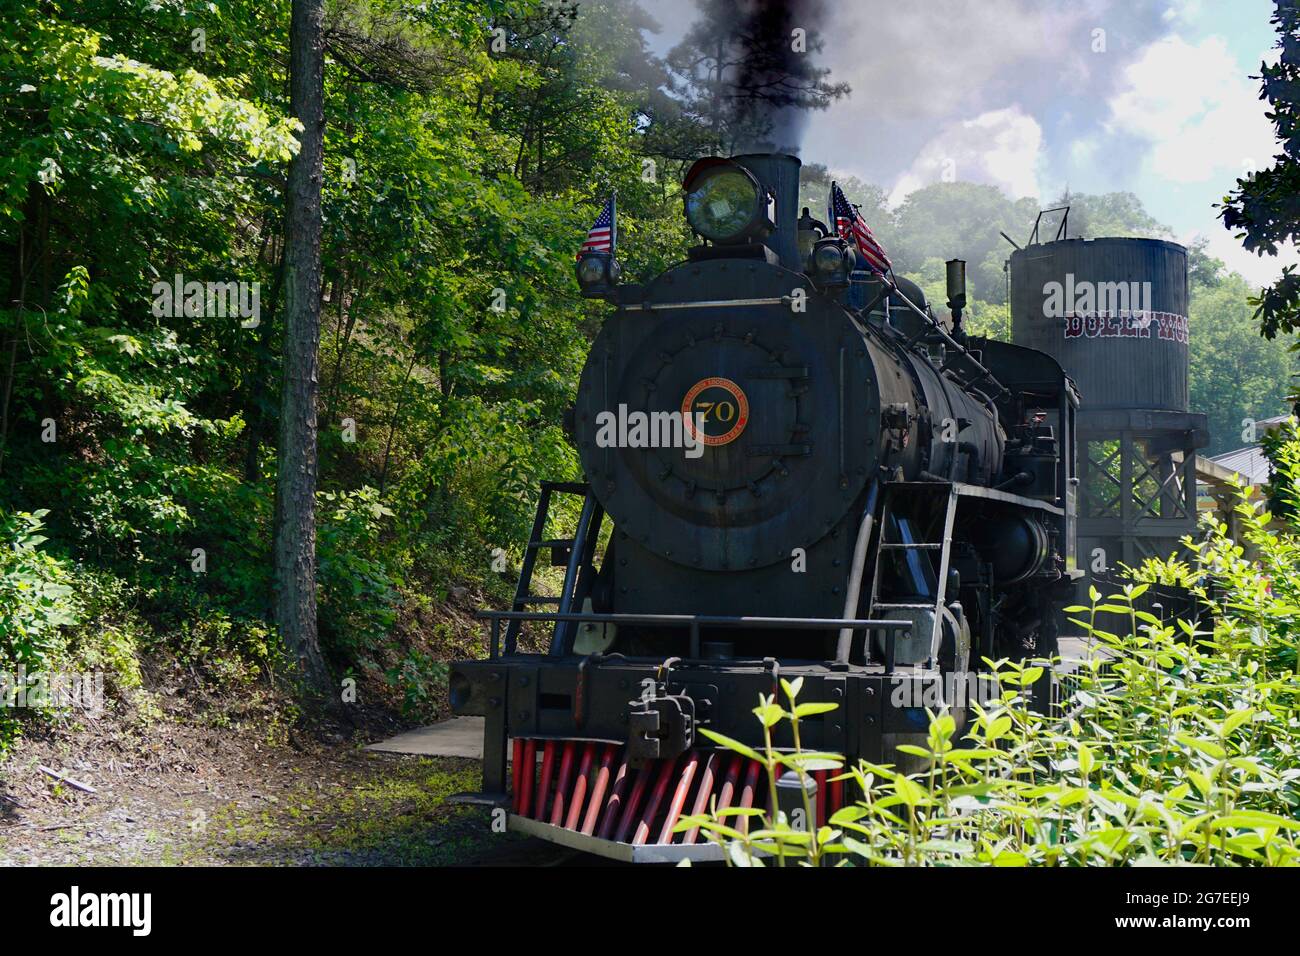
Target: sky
x: 1152, y: 97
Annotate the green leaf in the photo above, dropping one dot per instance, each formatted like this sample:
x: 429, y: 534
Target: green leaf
x: 848, y: 814
x: 998, y: 727
x: 1235, y: 720
x: 792, y: 688
x: 909, y: 792
x: 1207, y: 747
x: 769, y: 714
x: 809, y: 709
x: 732, y: 744
x: 1086, y: 760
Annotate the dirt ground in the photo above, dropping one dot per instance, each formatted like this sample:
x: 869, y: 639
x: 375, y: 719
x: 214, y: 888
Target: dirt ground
x: 168, y: 792
x: 187, y: 771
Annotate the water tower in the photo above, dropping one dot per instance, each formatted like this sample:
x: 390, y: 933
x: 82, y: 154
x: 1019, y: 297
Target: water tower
x: 1113, y: 312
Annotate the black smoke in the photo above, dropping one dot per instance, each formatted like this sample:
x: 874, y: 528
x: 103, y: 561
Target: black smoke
x: 749, y: 70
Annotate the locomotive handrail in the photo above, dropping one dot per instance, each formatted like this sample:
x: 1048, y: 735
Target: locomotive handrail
x: 648, y: 306
x: 935, y: 327
x: 692, y: 621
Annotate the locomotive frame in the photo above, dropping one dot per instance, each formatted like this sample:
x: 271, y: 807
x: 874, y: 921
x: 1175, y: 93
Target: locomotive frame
x: 926, y: 478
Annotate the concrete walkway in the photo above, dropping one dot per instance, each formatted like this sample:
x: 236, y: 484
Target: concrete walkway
x: 457, y: 737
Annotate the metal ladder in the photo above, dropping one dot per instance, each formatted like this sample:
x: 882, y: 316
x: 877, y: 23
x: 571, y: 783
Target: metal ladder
x: 901, y: 524
x: 578, y: 572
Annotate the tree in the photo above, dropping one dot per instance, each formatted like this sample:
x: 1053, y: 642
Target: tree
x: 1265, y: 206
x: 295, y: 526
x: 961, y: 220
x: 1235, y: 373
x: 1105, y: 214
x: 872, y: 201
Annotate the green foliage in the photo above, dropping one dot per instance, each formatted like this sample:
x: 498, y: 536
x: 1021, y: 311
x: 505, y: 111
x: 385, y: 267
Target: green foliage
x: 1261, y: 208
x: 36, y: 598
x: 1170, y: 571
x: 418, y: 678
x: 131, y: 156
x: 1235, y: 373
x: 108, y: 635
x: 234, y: 654
x: 1111, y: 214
x: 1180, y: 746
x: 961, y: 221
x: 357, y: 592
x: 37, y: 604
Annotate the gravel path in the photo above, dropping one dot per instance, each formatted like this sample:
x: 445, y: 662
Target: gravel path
x: 169, y: 793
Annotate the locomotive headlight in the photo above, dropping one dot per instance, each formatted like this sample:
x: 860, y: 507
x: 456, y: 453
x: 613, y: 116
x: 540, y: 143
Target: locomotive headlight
x: 725, y: 202
x: 832, y: 261
x: 598, y: 274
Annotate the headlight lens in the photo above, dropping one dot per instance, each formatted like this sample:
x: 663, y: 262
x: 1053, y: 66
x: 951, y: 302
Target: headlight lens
x: 591, y: 269
x: 829, y: 259
x: 598, y: 274
x: 723, y: 204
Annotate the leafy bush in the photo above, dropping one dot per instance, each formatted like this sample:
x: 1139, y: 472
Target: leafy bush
x: 1182, y: 746
x: 109, y: 634
x: 232, y: 652
x: 1170, y: 572
x: 36, y: 603
x: 35, y: 595
x: 417, y: 677
x: 358, y: 592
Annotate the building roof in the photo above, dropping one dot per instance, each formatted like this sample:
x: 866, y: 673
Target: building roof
x: 1249, y: 462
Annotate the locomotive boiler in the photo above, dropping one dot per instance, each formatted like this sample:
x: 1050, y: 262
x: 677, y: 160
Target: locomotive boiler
x: 805, y: 472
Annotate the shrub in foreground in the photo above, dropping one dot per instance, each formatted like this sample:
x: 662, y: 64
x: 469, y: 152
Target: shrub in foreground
x: 1180, y: 746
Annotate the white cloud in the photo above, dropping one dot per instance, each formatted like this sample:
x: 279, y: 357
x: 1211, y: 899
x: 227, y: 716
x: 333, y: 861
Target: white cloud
x: 1258, y: 270
x: 1083, y: 150
x: 931, y: 60
x: 1200, y: 113
x: 1001, y: 147
x: 1183, y: 10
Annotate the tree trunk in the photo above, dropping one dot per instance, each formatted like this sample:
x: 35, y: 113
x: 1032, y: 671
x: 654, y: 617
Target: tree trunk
x: 295, y: 532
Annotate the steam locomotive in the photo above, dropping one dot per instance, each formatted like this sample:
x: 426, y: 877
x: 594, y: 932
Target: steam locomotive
x: 802, y: 472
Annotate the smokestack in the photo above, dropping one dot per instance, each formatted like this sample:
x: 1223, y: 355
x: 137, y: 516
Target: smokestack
x: 779, y: 173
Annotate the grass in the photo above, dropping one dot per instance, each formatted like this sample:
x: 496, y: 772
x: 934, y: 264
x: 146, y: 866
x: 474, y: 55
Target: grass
x: 397, y: 817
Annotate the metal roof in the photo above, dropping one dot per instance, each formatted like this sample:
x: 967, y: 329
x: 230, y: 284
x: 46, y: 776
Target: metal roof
x: 1249, y: 462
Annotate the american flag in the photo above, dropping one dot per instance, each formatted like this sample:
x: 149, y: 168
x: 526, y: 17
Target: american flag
x: 849, y: 224
x: 601, y: 236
